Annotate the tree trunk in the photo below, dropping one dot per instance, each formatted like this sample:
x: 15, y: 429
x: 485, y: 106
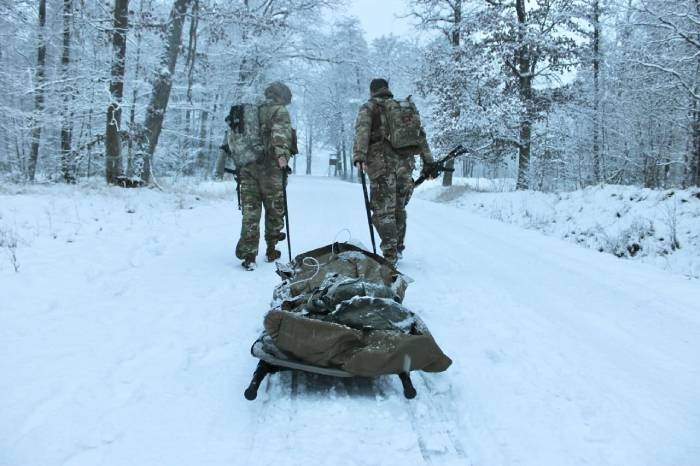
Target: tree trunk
x: 692, y: 169
x: 38, y: 93
x: 350, y: 164
x: 203, y: 156
x: 345, y: 158
x: 597, y: 156
x: 523, y: 61
x: 341, y: 148
x: 455, y: 40
x: 189, y: 126
x: 309, y: 147
x: 67, y: 159
x: 131, y: 159
x: 19, y: 148
x: 694, y: 178
x: 113, y: 156
x: 155, y: 113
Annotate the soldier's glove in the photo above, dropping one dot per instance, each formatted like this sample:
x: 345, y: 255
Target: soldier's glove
x: 430, y: 171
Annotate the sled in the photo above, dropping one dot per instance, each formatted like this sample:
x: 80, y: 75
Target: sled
x: 338, y: 312
x: 270, y: 364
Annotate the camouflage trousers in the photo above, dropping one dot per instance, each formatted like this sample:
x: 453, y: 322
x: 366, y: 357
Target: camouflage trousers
x: 391, y: 187
x: 261, y: 185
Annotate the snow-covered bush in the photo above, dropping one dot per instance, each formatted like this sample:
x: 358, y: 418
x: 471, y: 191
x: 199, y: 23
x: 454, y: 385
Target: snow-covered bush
x: 631, y: 240
x: 8, y: 242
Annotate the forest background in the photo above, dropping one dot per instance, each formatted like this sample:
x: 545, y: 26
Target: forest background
x: 552, y: 94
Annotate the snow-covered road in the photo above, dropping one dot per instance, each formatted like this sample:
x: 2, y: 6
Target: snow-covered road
x: 124, y: 339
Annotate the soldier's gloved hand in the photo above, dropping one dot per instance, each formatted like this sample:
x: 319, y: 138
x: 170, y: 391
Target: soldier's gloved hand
x: 429, y: 171
x: 282, y: 161
x: 361, y: 165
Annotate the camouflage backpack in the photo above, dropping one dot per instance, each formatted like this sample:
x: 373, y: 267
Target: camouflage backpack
x: 403, y: 132
x: 245, y: 138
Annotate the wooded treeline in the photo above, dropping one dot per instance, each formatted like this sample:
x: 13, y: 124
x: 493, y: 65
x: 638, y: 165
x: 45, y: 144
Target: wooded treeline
x: 556, y: 94
x: 568, y: 93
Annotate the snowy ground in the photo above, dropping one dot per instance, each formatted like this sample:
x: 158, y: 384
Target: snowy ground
x: 125, y: 337
x: 656, y: 227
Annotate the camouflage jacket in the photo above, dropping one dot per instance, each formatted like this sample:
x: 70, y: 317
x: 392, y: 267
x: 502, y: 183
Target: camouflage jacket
x: 276, y: 127
x: 369, y: 141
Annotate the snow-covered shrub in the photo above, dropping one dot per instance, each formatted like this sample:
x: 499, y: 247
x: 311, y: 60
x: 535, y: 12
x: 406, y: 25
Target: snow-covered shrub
x: 631, y: 240
x: 8, y: 242
x: 671, y: 220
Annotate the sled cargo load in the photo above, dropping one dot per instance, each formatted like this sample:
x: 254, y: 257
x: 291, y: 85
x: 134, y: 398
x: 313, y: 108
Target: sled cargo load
x: 339, y: 312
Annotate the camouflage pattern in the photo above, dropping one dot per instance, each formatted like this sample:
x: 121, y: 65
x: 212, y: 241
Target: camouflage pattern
x: 262, y: 182
x: 342, y: 309
x: 277, y: 130
x: 391, y: 184
x: 261, y: 185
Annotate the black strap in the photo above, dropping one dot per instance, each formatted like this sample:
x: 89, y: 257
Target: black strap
x: 375, y: 133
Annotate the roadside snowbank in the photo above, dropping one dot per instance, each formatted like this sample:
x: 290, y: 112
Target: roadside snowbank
x: 31, y: 215
x: 658, y: 227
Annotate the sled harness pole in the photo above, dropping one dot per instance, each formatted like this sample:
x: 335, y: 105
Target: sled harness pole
x: 369, y: 215
x: 285, y: 172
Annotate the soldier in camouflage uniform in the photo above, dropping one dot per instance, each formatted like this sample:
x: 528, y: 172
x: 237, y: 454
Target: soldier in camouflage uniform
x: 261, y: 182
x: 389, y: 173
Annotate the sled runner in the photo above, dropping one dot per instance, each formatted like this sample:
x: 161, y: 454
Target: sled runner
x: 338, y: 312
x: 271, y: 364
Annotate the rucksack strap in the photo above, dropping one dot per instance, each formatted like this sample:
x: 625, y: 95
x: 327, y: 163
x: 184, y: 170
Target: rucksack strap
x: 375, y: 134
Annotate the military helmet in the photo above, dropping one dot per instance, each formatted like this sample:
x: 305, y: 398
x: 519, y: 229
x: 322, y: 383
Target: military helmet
x: 278, y: 92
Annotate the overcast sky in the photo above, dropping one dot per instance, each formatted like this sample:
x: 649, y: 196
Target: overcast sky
x: 378, y: 17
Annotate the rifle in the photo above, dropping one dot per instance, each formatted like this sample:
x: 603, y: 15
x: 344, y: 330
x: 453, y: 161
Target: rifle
x: 225, y: 148
x: 434, y: 169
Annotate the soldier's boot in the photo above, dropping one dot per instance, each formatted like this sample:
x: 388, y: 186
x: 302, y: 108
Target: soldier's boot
x: 249, y: 262
x: 391, y: 256
x: 272, y: 254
